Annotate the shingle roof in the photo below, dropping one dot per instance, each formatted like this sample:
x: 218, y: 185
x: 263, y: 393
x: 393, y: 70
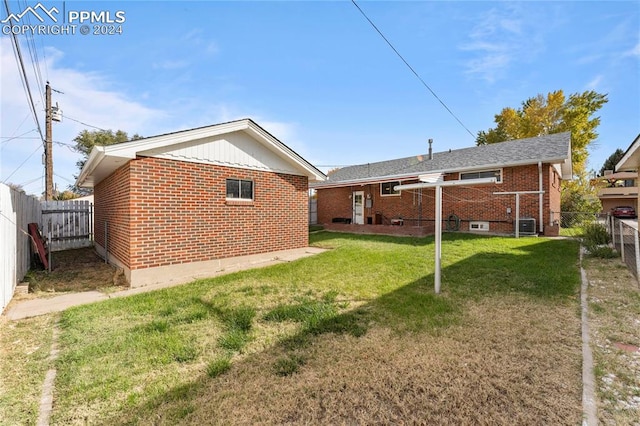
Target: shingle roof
x: 555, y: 149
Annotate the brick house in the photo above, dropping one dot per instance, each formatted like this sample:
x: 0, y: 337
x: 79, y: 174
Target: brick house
x: 182, y: 205
x: 631, y: 161
x: 364, y: 198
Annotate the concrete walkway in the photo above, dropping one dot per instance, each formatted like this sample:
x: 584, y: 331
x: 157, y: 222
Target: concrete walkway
x: 34, y: 307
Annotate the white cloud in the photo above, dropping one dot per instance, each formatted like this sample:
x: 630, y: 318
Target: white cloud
x: 86, y: 97
x: 170, y: 65
x: 635, y: 51
x: 501, y: 38
x: 595, y: 83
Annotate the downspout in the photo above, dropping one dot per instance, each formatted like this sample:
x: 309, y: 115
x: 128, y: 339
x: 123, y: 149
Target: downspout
x: 540, y: 197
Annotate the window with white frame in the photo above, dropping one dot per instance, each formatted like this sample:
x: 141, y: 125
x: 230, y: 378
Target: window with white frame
x: 482, y: 174
x: 239, y: 189
x: 386, y: 188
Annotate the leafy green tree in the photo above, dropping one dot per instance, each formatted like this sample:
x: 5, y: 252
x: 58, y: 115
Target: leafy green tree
x: 610, y: 163
x: 86, y: 140
x: 554, y: 113
x: 66, y: 195
x: 579, y: 196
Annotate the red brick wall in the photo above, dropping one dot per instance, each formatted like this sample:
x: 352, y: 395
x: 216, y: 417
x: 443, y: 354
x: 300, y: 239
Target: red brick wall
x: 553, y: 186
x: 476, y: 203
x: 112, y: 204
x: 179, y: 213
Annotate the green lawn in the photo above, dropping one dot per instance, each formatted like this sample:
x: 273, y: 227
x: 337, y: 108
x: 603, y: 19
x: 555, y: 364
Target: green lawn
x: 355, y: 334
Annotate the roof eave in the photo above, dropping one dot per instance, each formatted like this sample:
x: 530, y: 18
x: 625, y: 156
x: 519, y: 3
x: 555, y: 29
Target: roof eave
x: 631, y: 157
x: 130, y: 150
x: 95, y: 157
x: 313, y: 174
x: 564, y: 162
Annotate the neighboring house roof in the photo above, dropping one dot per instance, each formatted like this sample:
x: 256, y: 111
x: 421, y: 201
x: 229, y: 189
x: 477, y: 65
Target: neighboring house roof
x: 549, y: 149
x: 616, y: 176
x: 631, y: 159
x: 240, y: 144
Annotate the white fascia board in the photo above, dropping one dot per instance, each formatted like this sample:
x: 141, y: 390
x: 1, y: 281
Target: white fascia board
x: 131, y: 149
x: 286, y: 153
x: 630, y: 160
x: 95, y: 157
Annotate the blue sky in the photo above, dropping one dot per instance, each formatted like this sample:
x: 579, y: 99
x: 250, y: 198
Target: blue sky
x: 317, y: 75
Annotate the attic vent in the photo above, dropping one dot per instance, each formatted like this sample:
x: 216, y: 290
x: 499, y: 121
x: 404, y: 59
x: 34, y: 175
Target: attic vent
x: 479, y: 226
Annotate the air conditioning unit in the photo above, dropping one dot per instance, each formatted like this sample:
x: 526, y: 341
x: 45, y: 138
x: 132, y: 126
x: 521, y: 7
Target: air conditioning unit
x: 527, y: 226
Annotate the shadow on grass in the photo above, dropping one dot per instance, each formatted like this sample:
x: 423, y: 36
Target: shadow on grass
x: 532, y: 270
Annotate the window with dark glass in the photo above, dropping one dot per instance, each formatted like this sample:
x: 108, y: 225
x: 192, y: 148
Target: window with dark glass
x: 238, y: 189
x: 482, y: 174
x: 386, y: 188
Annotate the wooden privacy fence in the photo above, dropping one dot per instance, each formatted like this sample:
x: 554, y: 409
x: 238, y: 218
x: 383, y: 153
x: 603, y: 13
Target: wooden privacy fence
x: 17, y: 210
x: 67, y: 224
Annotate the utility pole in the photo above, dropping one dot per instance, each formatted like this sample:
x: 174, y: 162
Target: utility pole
x: 48, y: 148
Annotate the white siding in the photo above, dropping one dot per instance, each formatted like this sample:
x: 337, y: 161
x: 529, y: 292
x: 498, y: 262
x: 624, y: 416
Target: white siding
x: 235, y: 149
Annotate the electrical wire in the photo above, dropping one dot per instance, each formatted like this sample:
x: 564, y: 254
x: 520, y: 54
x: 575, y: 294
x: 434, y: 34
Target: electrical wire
x: 35, y: 60
x: 10, y: 138
x: 23, y: 73
x: 22, y: 164
x: 29, y: 182
x: 412, y: 70
x: 63, y: 178
x: 83, y: 123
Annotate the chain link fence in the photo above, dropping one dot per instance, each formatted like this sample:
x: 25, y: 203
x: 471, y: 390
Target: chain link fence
x: 623, y: 232
x: 626, y: 241
x: 572, y: 224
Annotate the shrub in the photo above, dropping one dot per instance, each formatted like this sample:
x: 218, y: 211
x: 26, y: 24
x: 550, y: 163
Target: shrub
x: 603, y: 252
x: 596, y: 234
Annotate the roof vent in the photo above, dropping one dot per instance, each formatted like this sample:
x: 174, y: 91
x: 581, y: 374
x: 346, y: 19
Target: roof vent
x: 430, y: 150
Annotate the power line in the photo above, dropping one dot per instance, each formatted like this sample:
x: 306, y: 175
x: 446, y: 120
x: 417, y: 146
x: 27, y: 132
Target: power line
x: 412, y: 70
x: 29, y: 182
x: 21, y: 164
x: 35, y: 61
x: 89, y: 125
x: 10, y: 138
x: 25, y: 81
x: 63, y: 178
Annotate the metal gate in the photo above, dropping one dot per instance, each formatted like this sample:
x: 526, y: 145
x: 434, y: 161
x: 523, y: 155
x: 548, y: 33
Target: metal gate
x: 313, y: 211
x: 67, y: 224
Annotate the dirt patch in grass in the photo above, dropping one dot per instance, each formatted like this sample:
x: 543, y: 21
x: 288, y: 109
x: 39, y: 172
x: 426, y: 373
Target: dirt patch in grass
x: 614, y: 319
x: 75, y: 270
x: 509, y: 362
